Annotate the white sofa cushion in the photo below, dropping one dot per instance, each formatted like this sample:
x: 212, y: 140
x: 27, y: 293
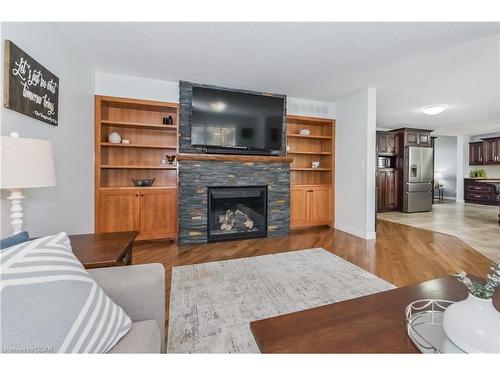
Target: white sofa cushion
x: 49, y: 303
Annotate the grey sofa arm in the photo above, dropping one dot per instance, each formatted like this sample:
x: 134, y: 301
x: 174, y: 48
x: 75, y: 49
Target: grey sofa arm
x: 138, y: 289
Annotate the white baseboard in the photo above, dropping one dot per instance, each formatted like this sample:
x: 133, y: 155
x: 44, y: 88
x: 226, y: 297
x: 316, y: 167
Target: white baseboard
x: 356, y: 232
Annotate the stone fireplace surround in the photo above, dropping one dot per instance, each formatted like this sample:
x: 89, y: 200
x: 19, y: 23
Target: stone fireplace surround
x: 195, y: 176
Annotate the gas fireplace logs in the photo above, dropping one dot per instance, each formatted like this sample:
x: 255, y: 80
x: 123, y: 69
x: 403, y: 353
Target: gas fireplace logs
x: 241, y: 219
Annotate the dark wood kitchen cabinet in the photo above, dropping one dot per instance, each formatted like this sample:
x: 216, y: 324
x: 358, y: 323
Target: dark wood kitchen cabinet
x: 416, y: 137
x: 480, y: 192
x: 386, y: 143
x: 387, y: 189
x: 476, y: 153
x: 491, y: 150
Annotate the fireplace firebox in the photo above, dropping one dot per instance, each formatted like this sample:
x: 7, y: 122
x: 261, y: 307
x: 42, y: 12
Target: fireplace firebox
x: 236, y: 212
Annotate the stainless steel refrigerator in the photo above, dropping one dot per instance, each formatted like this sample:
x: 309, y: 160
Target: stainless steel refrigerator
x: 418, y: 177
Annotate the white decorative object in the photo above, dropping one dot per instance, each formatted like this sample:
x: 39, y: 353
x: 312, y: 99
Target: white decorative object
x: 473, y: 325
x: 315, y: 164
x: 125, y: 141
x: 26, y: 163
x: 304, y: 132
x: 424, y: 324
x: 114, y: 138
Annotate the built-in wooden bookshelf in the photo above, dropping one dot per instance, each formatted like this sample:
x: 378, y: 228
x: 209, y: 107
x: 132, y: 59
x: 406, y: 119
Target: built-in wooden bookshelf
x: 140, y: 122
x: 116, y: 164
x: 311, y: 188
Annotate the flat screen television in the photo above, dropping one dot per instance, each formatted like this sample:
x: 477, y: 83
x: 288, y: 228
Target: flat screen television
x: 225, y: 121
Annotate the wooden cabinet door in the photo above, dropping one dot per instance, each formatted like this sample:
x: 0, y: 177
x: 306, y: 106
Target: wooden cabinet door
x: 391, y: 143
x: 299, y: 207
x: 418, y: 138
x: 320, y: 205
x: 386, y: 144
x: 390, y: 189
x: 382, y: 143
x: 158, y: 218
x: 411, y: 138
x: 387, y: 192
x: 382, y: 187
x: 497, y: 151
x: 118, y: 210
x: 476, y: 153
x: 491, y: 150
x: 424, y: 139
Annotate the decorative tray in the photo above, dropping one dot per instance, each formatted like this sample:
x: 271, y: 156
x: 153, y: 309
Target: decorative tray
x: 424, y: 324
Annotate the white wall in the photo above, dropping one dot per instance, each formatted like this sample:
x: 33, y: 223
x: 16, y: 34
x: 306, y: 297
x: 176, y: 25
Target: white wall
x: 136, y: 87
x: 69, y: 206
x: 445, y: 162
x: 355, y: 164
x: 168, y: 91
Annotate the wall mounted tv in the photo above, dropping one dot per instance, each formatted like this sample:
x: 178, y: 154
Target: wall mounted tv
x: 227, y: 121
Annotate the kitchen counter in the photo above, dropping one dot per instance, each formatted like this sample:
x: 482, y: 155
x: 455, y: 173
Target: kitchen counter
x: 483, y: 179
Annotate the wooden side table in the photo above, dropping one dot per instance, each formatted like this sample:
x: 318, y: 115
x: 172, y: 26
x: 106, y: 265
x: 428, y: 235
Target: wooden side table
x: 440, y: 191
x: 103, y: 249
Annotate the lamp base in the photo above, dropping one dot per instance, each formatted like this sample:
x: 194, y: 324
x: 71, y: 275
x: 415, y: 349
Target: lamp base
x: 16, y: 210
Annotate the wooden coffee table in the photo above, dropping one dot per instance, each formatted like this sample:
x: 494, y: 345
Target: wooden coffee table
x: 103, y: 249
x: 370, y: 324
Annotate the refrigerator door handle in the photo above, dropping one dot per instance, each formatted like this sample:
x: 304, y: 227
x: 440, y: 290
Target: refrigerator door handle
x: 413, y: 170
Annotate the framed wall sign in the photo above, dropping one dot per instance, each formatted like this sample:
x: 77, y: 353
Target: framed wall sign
x: 29, y: 88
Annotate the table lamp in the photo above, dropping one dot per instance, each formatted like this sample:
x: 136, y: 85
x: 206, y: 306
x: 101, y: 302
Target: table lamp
x: 26, y: 163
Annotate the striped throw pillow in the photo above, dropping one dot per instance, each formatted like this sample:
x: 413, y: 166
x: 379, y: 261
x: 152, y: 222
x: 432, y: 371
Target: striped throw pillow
x: 50, y: 304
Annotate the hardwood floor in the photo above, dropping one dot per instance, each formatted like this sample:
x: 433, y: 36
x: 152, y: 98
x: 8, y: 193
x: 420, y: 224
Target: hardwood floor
x: 401, y: 254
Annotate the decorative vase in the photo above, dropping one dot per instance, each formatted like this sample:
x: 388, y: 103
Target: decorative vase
x: 114, y: 138
x: 473, y: 325
x: 170, y: 158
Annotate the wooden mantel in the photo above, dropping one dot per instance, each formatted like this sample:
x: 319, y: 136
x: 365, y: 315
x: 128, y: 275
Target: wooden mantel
x: 236, y: 158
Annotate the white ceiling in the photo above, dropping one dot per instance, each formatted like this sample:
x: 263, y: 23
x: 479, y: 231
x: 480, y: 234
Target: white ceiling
x: 410, y: 64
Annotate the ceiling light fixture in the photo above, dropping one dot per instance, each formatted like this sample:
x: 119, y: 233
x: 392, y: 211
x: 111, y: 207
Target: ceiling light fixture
x: 434, y: 109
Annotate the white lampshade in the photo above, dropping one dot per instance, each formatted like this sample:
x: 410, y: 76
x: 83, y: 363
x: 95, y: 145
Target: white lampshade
x: 26, y: 163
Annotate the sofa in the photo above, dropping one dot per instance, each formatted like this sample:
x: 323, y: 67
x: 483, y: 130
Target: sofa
x: 140, y: 291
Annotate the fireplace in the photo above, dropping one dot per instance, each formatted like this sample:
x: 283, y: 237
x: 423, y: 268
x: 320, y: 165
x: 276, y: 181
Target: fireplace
x: 236, y: 212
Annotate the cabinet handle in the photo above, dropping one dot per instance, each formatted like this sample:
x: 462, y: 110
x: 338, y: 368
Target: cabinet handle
x: 137, y: 195
x: 142, y: 195
x: 309, y: 191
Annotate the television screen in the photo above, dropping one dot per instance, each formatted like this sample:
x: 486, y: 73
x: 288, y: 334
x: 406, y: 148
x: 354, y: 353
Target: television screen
x: 229, y: 119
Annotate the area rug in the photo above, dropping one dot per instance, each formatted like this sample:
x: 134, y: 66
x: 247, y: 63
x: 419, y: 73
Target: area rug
x: 212, y: 304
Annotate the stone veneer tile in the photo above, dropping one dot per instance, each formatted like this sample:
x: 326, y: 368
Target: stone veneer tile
x: 196, y: 176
